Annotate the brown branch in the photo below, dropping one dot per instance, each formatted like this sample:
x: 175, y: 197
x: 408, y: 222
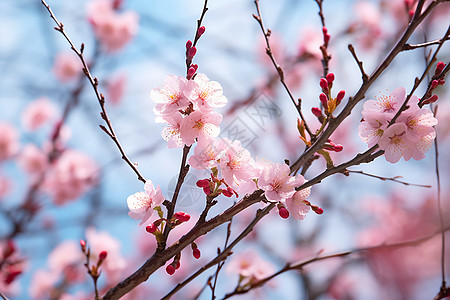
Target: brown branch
x: 3, y: 296
x: 324, y: 48
x: 160, y: 258
x: 360, y: 63
x: 225, y: 253
x: 278, y: 68
x: 422, y: 45
x: 300, y: 265
x: 360, y: 94
x: 197, y: 36
x: 94, y: 83
x: 395, y: 179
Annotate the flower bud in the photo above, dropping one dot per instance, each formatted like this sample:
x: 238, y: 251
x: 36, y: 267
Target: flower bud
x: 190, y: 72
x: 330, y: 77
x: 196, y: 253
x: 201, y: 31
x: 182, y: 216
x: 151, y: 228
x: 439, y: 67
x: 188, y: 44
x: 170, y: 269
x: 434, y: 84
x: 316, y: 111
x: 340, y: 96
x: 323, y: 84
x: 203, y: 183
x: 102, y: 256
x: 324, y: 99
x: 191, y: 52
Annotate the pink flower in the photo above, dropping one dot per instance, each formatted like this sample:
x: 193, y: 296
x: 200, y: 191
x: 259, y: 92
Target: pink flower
x: 9, y: 144
x: 171, y: 133
x: 169, y: 97
x: 296, y: 205
x: 141, y: 204
x: 205, y: 94
x: 100, y: 241
x: 67, y: 66
x: 32, y: 159
x: 37, y: 113
x: 72, y: 175
x: 387, y: 104
x: 249, y: 265
x: 394, y: 143
x: 201, y: 126
x: 236, y: 162
x: 277, y: 183
x: 373, y: 126
x: 67, y: 258
x: 42, y: 283
x: 116, y: 88
x: 113, y: 31
x: 207, y: 154
x: 419, y: 122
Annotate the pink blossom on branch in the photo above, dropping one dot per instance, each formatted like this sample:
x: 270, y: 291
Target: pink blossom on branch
x: 205, y: 94
x: 37, y: 113
x: 276, y: 182
x: 169, y: 97
x: 201, y: 126
x: 142, y: 204
x: 236, y: 163
x: 296, y: 204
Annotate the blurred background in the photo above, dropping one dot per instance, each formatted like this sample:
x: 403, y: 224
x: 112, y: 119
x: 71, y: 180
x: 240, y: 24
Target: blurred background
x: 48, y: 204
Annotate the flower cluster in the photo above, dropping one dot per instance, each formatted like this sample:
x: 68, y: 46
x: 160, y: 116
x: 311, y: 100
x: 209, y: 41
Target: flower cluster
x: 411, y: 135
x: 187, y: 107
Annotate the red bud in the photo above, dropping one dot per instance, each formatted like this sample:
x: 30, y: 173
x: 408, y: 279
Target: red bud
x: 170, y: 269
x: 196, y: 253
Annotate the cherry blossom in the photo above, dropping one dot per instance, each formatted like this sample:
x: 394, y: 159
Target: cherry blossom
x: 67, y: 66
x: 387, y: 104
x: 419, y: 122
x: 201, y: 126
x: 37, y: 113
x: 113, y: 30
x: 9, y: 141
x: 32, y: 159
x: 394, y: 143
x: 207, y: 154
x: 205, y: 94
x: 116, y: 88
x: 72, y: 175
x: 277, y: 183
x: 296, y: 204
x: 169, y: 97
x: 141, y: 204
x: 250, y: 265
x: 171, y: 133
x: 236, y: 163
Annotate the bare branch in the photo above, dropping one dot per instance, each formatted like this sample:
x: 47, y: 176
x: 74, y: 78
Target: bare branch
x: 395, y: 179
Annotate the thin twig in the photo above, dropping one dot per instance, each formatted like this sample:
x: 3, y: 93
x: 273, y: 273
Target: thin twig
x: 220, y: 264
x: 300, y: 265
x: 360, y: 63
x: 324, y: 48
x: 225, y: 253
x: 101, y: 99
x: 280, y: 72
x: 395, y: 179
x: 3, y: 296
x: 422, y: 45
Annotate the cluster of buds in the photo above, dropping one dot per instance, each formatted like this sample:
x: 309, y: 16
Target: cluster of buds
x: 175, y: 265
x: 211, y: 187
x: 11, y: 266
x: 435, y: 82
x: 93, y: 270
x: 190, y: 53
x: 329, y: 104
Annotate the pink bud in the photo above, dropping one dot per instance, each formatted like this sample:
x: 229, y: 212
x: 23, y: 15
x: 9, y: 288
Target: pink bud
x: 102, y: 255
x: 201, y: 31
x: 188, y: 44
x: 317, y: 209
x: 316, y: 111
x: 207, y: 190
x: 324, y: 30
x: 83, y: 245
x: 324, y: 99
x: 192, y: 51
x: 190, y: 72
x: 323, y: 84
x: 195, y: 66
x: 196, y: 253
x: 434, y: 84
x: 182, y: 216
x: 227, y: 193
x: 337, y: 148
x: 326, y: 38
x: 432, y: 99
x: 439, y: 67
x: 330, y: 77
x: 170, y: 269
x: 283, y: 212
x: 151, y: 228
x: 340, y: 96
x: 441, y: 81
x: 177, y: 266
x: 203, y: 183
